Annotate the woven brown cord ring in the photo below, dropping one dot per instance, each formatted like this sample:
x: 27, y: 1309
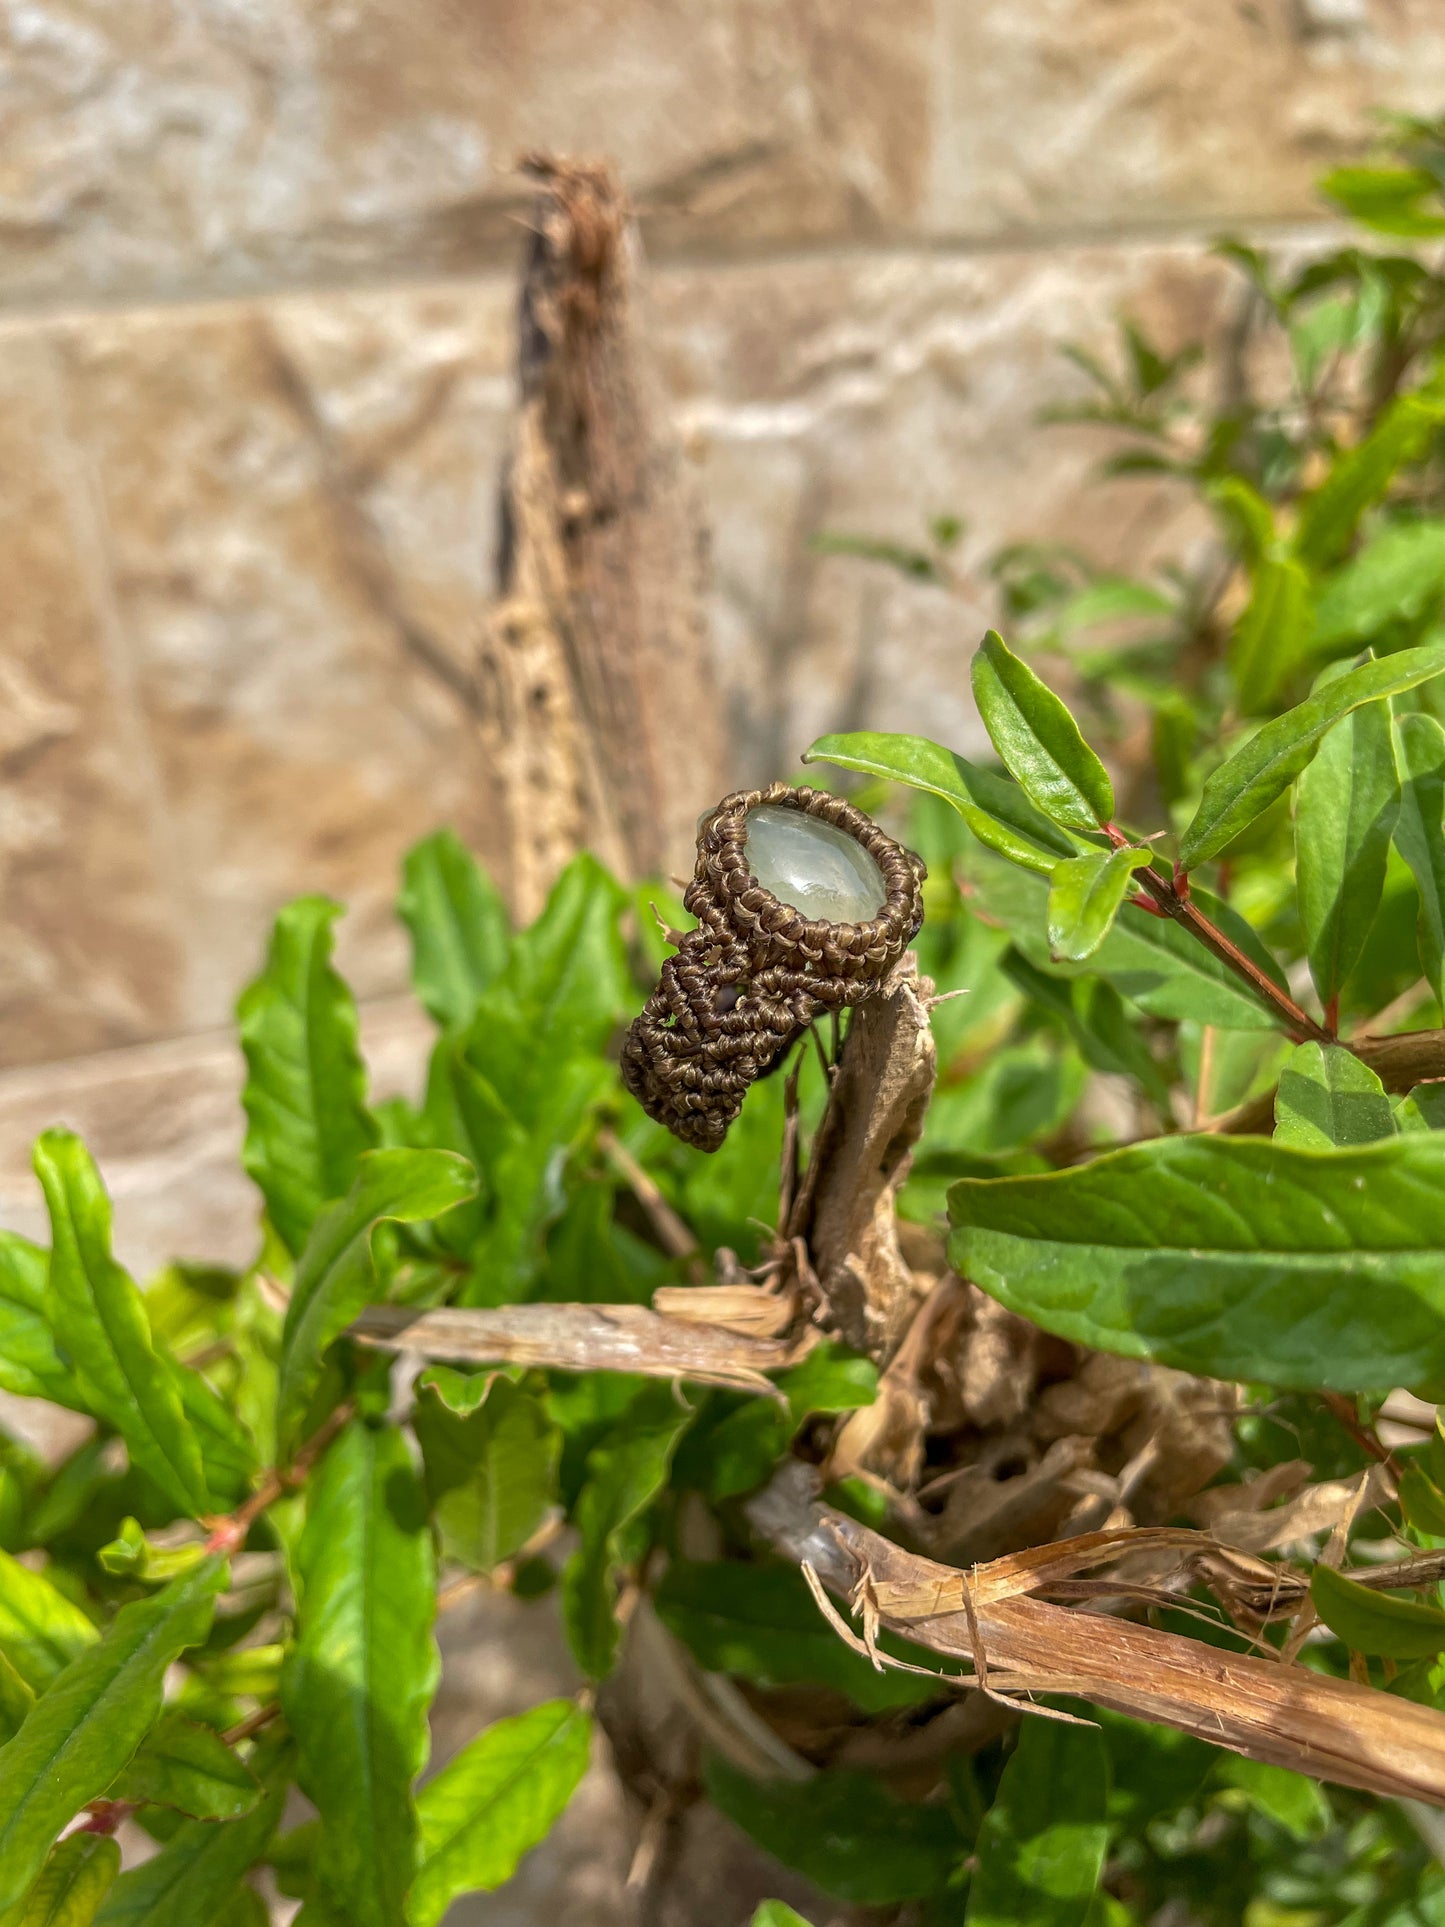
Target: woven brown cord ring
x: 755, y: 973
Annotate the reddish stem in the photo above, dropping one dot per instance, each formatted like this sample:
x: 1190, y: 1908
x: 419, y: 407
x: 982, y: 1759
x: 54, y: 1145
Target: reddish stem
x: 229, y: 1534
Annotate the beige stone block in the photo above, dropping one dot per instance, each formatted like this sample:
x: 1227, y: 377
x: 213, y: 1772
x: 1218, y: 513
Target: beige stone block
x: 297, y: 502
x: 88, y: 957
x: 1142, y: 114
x: 183, y: 144
x: 867, y: 393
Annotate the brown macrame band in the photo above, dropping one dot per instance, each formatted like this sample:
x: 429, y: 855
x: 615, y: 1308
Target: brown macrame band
x: 755, y: 973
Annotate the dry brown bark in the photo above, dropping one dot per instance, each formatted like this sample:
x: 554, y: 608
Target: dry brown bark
x: 596, y: 682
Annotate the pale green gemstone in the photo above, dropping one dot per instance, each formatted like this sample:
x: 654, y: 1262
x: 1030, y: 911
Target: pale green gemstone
x: 822, y: 872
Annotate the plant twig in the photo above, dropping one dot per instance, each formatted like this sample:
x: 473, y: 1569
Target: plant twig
x: 229, y: 1534
x: 676, y: 1237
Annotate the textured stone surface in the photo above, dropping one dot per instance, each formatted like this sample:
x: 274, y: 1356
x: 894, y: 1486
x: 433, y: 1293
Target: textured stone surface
x: 190, y: 145
x: 172, y: 144
x: 296, y: 516
x: 868, y: 393
x: 90, y: 950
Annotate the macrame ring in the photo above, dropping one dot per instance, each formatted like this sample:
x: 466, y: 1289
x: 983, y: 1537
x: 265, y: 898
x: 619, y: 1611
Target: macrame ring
x: 755, y: 972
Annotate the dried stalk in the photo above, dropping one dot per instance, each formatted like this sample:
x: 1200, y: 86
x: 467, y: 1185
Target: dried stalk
x: 1283, y: 1715
x: 583, y: 1338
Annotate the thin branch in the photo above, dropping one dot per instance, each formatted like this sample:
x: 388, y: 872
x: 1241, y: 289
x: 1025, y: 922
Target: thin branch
x: 229, y: 1534
x: 676, y: 1237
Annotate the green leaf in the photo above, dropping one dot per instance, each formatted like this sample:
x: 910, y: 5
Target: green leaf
x: 1232, y: 1257
x: 625, y: 1473
x: 69, y: 1889
x: 1085, y: 895
x: 458, y: 923
x: 829, y: 1379
x: 41, y: 1631
x: 16, y: 1700
x: 490, y: 1475
x: 1244, y: 787
x: 997, y: 811
x: 1327, y: 1098
x: 1291, y: 1800
x: 131, y: 1555
x: 305, y: 1094
x: 188, y: 1767
x: 91, y: 1720
x: 1420, y: 833
x: 1268, y: 641
x: 494, y: 1802
x: 761, y: 1622
x: 1038, y: 741
x: 1398, y: 575
x: 1041, y: 1846
x: 1374, y: 1622
x: 777, y: 1913
x: 228, y: 1454
x: 335, y: 1278
x: 200, y: 1869
x: 1422, y: 1502
x: 1346, y: 802
x: 845, y: 1831
x: 99, y: 1318
x: 30, y: 1366
x: 356, y: 1687
x: 1387, y: 199
x: 1328, y: 518
x: 1153, y: 961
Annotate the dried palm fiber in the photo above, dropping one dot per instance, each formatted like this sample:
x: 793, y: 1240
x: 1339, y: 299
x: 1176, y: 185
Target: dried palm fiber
x: 755, y: 972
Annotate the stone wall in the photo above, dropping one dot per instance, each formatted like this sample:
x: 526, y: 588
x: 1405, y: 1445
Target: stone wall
x: 257, y: 278
x: 257, y: 270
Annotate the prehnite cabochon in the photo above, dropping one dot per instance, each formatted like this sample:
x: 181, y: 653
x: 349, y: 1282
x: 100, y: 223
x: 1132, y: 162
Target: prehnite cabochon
x: 822, y: 872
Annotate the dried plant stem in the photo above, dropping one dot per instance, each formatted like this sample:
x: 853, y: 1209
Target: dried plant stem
x: 1284, y: 1715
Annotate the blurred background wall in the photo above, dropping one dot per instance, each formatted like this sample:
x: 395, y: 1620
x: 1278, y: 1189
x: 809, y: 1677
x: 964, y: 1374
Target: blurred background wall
x: 258, y: 264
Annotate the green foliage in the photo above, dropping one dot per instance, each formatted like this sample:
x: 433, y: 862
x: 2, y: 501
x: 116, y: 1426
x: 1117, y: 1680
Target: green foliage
x: 1203, y: 891
x: 362, y: 1672
x: 494, y: 1802
x: 1041, y: 1846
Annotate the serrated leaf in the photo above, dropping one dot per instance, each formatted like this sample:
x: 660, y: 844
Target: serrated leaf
x: 1327, y: 1099
x: 305, y: 1093
x: 846, y: 1831
x: 78, y: 1874
x: 1346, y: 802
x: 1374, y: 1622
x: 1041, y: 1847
x: 41, y: 1630
x: 199, y: 1870
x: 760, y: 1621
x: 1038, y: 741
x: 99, y: 1318
x: 189, y: 1768
x: 1268, y: 641
x: 360, y: 1678
x: 459, y: 928
x: 1420, y: 833
x: 997, y: 811
x: 1244, y: 786
x: 92, y: 1718
x: 624, y: 1475
x: 335, y: 1278
x: 1328, y: 518
x: 494, y: 1802
x: 1086, y: 893
x: 490, y: 1475
x: 1232, y: 1257
x: 30, y: 1366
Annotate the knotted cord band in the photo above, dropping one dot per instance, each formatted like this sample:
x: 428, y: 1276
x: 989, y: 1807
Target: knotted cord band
x: 755, y: 972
